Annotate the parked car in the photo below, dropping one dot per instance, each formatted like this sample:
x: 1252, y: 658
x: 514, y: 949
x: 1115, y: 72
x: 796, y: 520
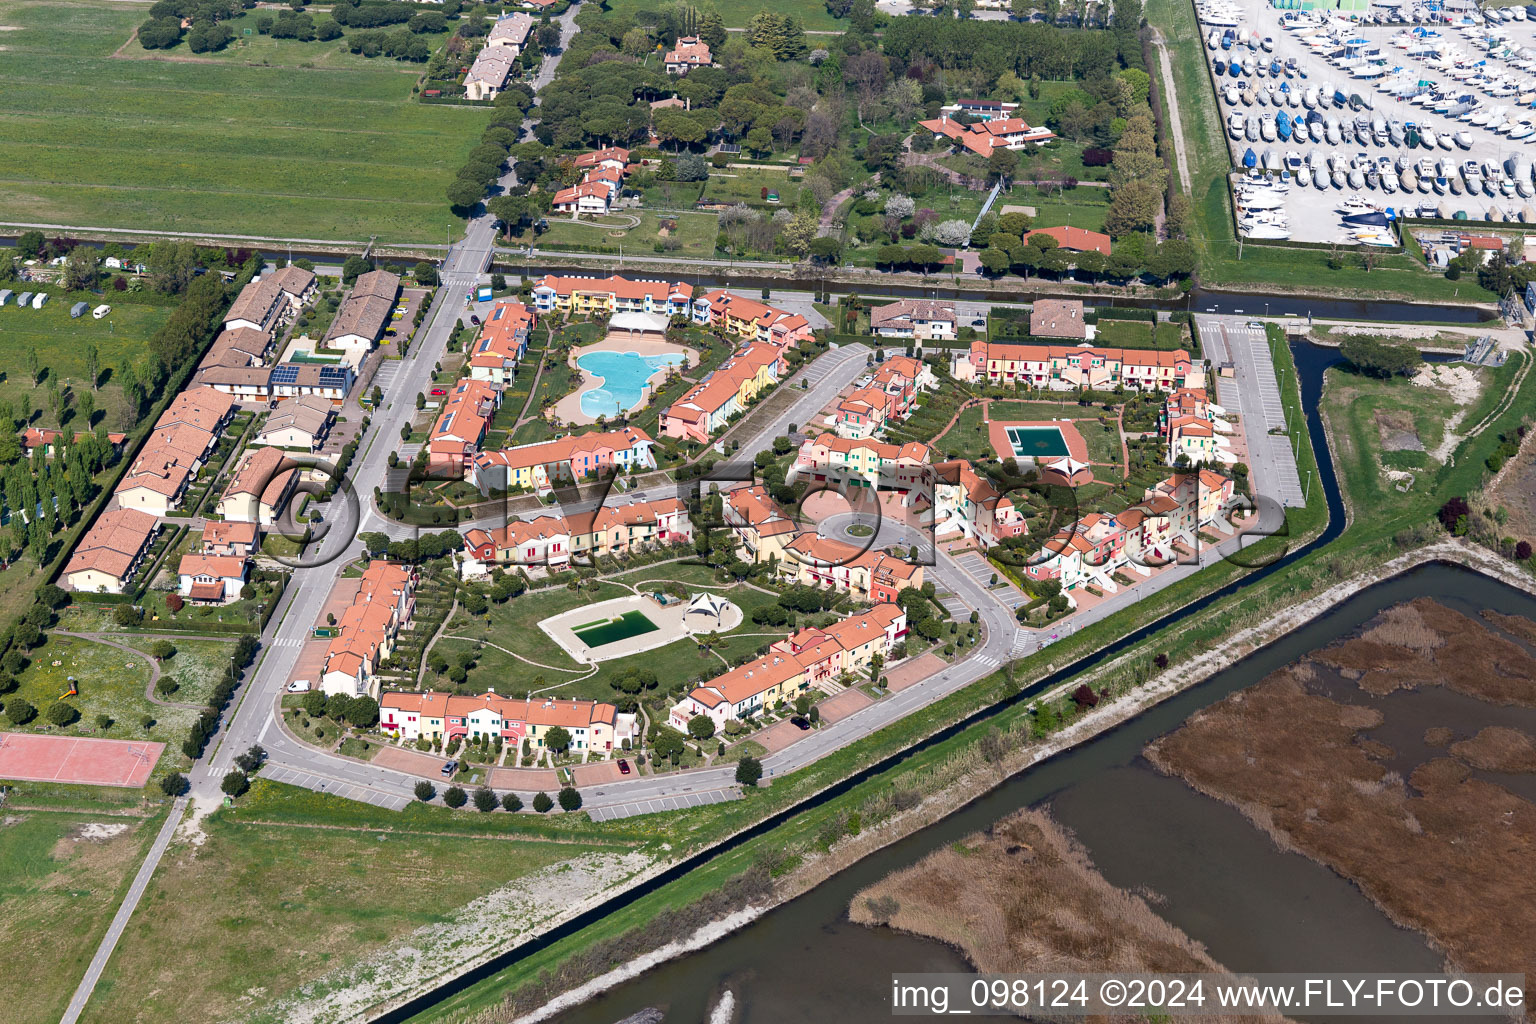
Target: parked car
x: 801, y: 722
x: 475, y: 320
x: 439, y: 392
x: 299, y: 686
x: 450, y: 768
x: 623, y: 767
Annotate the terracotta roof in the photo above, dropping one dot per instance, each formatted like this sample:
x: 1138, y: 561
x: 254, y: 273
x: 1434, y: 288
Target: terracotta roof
x: 1046, y: 353
x: 112, y: 542
x: 1074, y: 239
x: 367, y: 308
x: 219, y: 532
x: 219, y: 566
x: 908, y: 310
x: 913, y: 450
x: 293, y: 280
x: 545, y: 453
x: 203, y: 407
x: 309, y: 413
x: 255, y: 302
x: 598, y: 156
x: 690, y: 50
x: 256, y: 471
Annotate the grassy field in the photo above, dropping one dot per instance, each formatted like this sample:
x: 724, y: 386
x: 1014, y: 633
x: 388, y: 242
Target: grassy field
x: 111, y: 683
x: 736, y: 13
x: 309, y: 145
x: 197, y: 666
x: 515, y: 626
x: 121, y: 338
x: 61, y: 877
x: 1140, y: 334
x: 310, y: 899
x: 695, y: 232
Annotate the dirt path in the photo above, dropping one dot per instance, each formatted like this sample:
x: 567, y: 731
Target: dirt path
x: 1171, y: 105
x: 154, y: 667
x: 829, y: 212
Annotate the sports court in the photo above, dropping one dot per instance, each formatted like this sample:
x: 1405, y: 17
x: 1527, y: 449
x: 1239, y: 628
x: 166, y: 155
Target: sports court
x: 88, y: 762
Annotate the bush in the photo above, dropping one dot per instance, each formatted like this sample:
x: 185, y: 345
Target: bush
x: 174, y: 784
x: 61, y: 713
x: 485, y: 800
x: 542, y: 803
x: 425, y: 791
x: 570, y: 799
x: 455, y: 797
x: 235, y: 784
x: 511, y: 802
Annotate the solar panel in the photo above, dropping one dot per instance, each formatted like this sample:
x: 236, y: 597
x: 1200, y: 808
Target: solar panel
x: 285, y: 373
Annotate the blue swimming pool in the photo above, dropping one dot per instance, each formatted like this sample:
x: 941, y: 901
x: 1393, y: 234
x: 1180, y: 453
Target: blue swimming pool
x: 624, y: 375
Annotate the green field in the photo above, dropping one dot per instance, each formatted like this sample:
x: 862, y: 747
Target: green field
x: 736, y: 13
x: 61, y: 877
x: 315, y: 143
x: 111, y: 682
x: 121, y: 338
x: 310, y: 899
x: 695, y: 233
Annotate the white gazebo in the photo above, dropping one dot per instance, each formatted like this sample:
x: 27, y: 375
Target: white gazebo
x: 711, y: 608
x: 638, y: 326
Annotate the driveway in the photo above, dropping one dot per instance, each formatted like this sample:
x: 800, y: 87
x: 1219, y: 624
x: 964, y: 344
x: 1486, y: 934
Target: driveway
x: 525, y: 780
x: 596, y: 773
x: 843, y: 705
x: 412, y: 762
x: 778, y: 736
x: 914, y: 670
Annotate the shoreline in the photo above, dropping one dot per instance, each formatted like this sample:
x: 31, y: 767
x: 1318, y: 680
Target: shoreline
x: 973, y: 785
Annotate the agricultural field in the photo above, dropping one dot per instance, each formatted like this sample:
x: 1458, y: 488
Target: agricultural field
x: 61, y: 877
x: 61, y: 343
x: 302, y: 139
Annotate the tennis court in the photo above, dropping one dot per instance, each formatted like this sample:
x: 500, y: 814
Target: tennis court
x: 27, y: 757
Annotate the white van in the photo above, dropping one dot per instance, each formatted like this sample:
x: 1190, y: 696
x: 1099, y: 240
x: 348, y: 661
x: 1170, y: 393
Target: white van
x: 101, y: 311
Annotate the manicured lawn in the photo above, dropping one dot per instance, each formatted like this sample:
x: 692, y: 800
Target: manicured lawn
x: 155, y: 141
x: 311, y: 900
x: 110, y: 682
x: 60, y: 888
x: 515, y: 626
x: 1140, y: 334
x: 694, y: 231
x: 746, y: 184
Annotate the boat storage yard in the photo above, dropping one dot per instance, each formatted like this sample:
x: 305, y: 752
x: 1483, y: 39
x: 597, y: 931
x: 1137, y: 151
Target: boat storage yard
x: 1340, y: 121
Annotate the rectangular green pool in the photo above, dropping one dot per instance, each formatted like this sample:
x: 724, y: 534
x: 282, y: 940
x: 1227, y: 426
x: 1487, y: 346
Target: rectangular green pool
x: 629, y: 624
x: 1037, y: 442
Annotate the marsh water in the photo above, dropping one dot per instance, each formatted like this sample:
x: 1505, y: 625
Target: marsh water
x: 1207, y: 869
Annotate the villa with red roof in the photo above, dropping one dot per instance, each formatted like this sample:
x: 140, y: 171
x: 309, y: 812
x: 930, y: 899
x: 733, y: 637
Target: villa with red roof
x: 689, y: 53
x: 725, y: 393
x: 1072, y: 239
x: 593, y: 726
x: 502, y: 343
x: 366, y: 631
x: 1072, y: 367
x: 968, y: 503
x: 461, y: 426
x: 983, y: 137
x: 807, y: 659
x: 543, y: 464
x: 861, y: 462
x: 613, y: 529
x: 592, y: 295
x: 735, y: 314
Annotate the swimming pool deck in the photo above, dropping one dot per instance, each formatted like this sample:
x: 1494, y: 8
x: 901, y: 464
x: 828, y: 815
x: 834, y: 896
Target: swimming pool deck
x: 997, y: 432
x: 568, y: 409
x: 672, y: 624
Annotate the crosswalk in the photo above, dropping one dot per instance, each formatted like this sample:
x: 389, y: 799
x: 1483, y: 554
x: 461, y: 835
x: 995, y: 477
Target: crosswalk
x: 288, y: 641
x: 1023, y: 642
x: 662, y: 803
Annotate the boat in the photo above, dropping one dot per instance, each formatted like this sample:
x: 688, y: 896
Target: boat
x: 1235, y: 126
x: 1355, y: 178
x: 1251, y: 128
x: 1454, y: 184
x: 1336, y: 176
x: 1366, y: 219
x: 1440, y: 185
x: 1463, y: 139
x: 1355, y: 204
x: 1380, y: 238
x: 1395, y: 133
x: 1299, y: 131
x: 1219, y: 66
x: 1267, y: 128
x: 1303, y: 176
x: 1426, y: 137
x: 1213, y: 40
x: 1262, y: 96
x: 1269, y: 161
x: 1309, y: 98
x: 1267, y: 43
x: 1331, y: 131
x: 1410, y: 179
x: 1250, y: 158
x: 1444, y: 141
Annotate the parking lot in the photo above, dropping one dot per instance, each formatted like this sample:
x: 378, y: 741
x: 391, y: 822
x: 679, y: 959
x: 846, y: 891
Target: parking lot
x: 1427, y: 180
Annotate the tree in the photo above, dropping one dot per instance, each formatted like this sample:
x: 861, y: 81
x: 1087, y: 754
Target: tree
x: 362, y: 712
x: 826, y: 249
x: 542, y: 803
x: 557, y: 739
x: 1380, y: 359
x: 425, y: 274
x: 511, y: 803
x: 61, y: 713
x: 82, y: 268
x: 464, y: 194
x: 424, y: 791
x: 995, y: 261
x: 455, y: 797
x: 701, y: 727
x: 174, y: 784
x: 570, y: 799
x: 161, y: 650
x: 1002, y: 164
x: 354, y: 267
x: 235, y: 784
x: 485, y: 800
x: 748, y: 771
x: 19, y: 711
x: 250, y: 761
x: 313, y: 703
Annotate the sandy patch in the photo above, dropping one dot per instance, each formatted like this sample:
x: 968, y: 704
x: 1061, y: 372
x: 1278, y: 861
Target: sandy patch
x: 496, y: 921
x: 1463, y: 385
x: 96, y: 831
